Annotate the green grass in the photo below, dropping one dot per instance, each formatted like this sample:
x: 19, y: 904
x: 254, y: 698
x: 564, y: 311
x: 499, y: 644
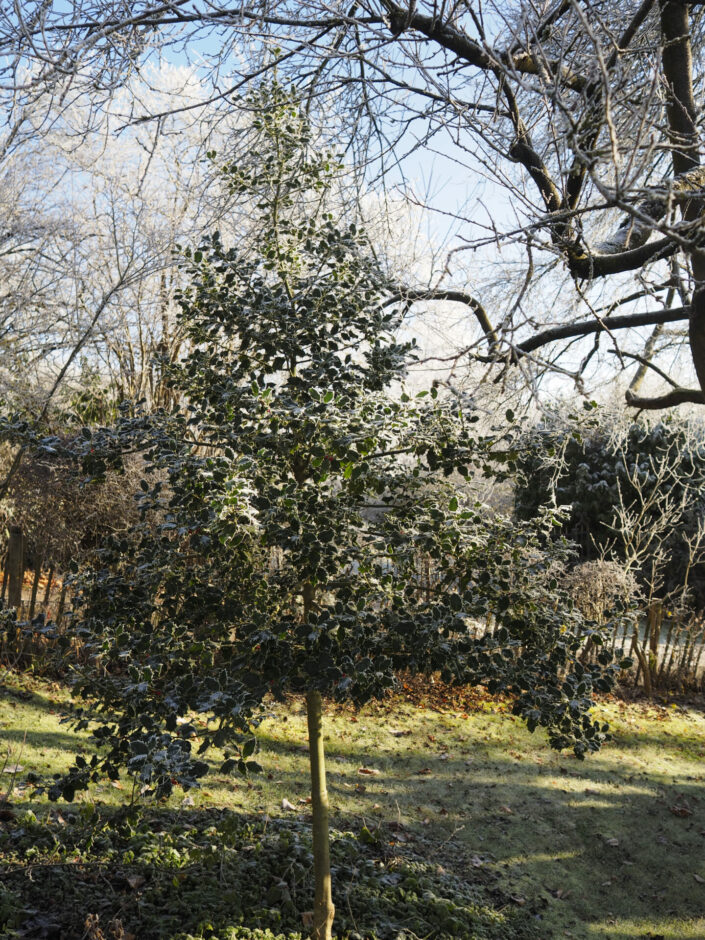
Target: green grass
x: 466, y: 807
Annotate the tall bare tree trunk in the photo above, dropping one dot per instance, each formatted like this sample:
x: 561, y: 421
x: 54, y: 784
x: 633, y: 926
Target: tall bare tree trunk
x: 323, y: 909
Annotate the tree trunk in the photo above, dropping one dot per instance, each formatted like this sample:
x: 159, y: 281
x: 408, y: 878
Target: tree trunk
x: 4, y: 578
x: 15, y: 566
x: 62, y: 604
x: 654, y: 622
x: 35, y: 585
x: 47, y: 593
x: 323, y: 910
x: 643, y: 663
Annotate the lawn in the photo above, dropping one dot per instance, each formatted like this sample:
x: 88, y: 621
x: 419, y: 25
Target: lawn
x: 450, y: 819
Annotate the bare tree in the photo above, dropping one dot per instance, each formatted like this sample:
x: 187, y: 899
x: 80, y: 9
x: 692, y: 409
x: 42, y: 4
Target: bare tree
x: 87, y: 249
x: 585, y: 117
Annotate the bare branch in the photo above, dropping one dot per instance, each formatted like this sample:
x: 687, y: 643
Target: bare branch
x: 679, y: 396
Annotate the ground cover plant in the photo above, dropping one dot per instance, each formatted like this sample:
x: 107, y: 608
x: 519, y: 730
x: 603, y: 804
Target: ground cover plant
x: 462, y: 815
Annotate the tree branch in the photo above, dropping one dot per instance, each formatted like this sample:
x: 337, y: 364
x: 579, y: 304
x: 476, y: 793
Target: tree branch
x: 455, y: 296
x: 588, y: 265
x: 678, y: 396
x: 585, y: 327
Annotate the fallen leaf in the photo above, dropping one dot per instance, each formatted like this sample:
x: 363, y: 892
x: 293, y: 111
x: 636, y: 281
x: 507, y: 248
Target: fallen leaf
x: 116, y: 784
x: 612, y: 841
x: 14, y: 769
x: 681, y: 811
x: 368, y: 771
x: 305, y: 801
x: 700, y: 881
x: 508, y: 810
x: 287, y: 805
x: 135, y: 881
x: 517, y: 900
x: 397, y: 733
x: 425, y: 771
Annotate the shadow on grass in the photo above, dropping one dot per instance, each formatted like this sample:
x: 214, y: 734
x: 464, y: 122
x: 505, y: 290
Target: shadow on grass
x: 16, y: 696
x: 677, y: 744
x: 65, y: 741
x: 599, y: 841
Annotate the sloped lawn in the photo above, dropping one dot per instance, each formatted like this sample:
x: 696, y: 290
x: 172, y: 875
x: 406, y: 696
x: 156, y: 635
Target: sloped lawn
x: 450, y: 821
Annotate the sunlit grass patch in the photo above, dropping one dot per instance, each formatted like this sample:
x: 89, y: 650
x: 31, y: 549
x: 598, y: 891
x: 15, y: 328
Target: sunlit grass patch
x: 666, y: 928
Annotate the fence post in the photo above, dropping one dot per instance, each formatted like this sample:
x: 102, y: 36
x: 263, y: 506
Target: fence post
x: 15, y: 566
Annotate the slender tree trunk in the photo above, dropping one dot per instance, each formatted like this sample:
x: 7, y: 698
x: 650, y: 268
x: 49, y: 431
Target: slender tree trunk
x: 47, y: 593
x: 4, y: 577
x: 62, y: 604
x: 35, y: 585
x: 654, y: 621
x: 643, y: 663
x: 323, y: 910
x: 15, y: 566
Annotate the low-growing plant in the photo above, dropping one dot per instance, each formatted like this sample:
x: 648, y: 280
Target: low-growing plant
x: 215, y: 875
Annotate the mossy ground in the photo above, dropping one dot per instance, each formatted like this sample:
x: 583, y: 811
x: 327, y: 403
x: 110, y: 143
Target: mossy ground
x: 465, y: 819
